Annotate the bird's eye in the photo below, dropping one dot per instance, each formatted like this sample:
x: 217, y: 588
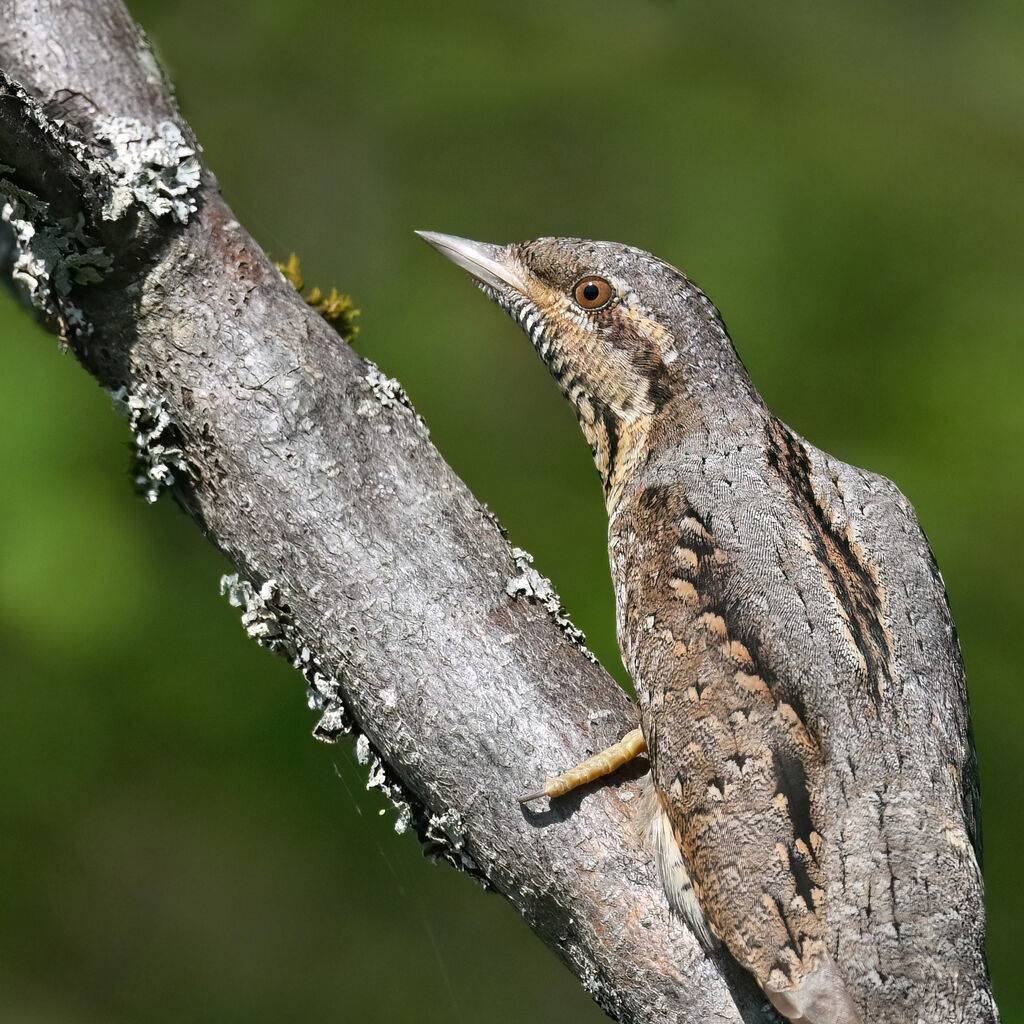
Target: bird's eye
x: 592, y: 293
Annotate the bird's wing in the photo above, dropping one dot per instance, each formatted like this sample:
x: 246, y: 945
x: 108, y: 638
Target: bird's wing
x: 734, y: 766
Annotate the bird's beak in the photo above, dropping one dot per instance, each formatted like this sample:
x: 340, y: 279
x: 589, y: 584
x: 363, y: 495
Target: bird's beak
x: 489, y: 264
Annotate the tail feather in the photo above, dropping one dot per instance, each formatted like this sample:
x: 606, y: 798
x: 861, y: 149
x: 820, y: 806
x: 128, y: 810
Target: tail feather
x: 675, y: 879
x: 820, y: 998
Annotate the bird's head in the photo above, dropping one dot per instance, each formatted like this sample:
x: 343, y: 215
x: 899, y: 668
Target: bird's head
x: 624, y: 334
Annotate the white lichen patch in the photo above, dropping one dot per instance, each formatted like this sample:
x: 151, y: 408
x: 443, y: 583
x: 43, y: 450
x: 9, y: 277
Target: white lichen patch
x: 143, y: 166
x: 333, y: 722
x: 260, y: 615
x: 362, y: 749
x: 268, y: 622
x: 378, y: 779
x: 385, y: 389
x: 50, y: 256
x: 154, y: 167
x: 448, y: 830
x: 384, y: 392
x: 157, y: 457
x: 537, y: 589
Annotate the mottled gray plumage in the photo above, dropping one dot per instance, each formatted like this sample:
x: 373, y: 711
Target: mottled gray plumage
x: 798, y: 676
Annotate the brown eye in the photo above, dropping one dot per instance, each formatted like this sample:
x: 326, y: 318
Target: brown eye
x: 592, y: 293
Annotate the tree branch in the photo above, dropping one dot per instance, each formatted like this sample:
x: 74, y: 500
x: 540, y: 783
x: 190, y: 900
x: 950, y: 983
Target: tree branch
x: 362, y: 556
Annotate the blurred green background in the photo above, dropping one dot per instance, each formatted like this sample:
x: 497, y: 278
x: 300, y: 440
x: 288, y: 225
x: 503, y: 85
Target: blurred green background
x: 843, y: 179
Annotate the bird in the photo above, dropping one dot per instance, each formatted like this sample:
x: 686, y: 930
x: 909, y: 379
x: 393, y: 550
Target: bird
x: 813, y: 803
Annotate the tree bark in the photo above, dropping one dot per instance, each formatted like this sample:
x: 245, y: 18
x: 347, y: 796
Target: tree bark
x: 361, y: 556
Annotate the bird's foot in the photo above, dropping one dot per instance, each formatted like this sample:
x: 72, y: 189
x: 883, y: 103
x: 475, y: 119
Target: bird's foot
x: 604, y: 763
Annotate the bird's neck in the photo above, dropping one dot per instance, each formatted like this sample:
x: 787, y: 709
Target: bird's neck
x: 619, y: 445
x: 703, y: 415
x: 658, y: 383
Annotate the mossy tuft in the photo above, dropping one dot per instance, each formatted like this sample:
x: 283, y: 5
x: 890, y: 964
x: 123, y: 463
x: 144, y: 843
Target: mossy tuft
x: 337, y: 309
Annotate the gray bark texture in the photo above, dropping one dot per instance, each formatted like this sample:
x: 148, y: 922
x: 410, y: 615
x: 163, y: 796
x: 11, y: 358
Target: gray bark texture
x: 360, y: 554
